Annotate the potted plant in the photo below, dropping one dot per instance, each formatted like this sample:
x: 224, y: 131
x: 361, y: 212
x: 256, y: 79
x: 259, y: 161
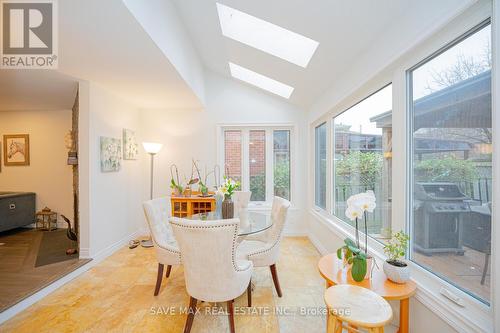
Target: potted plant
x: 202, y: 182
x: 396, y: 269
x: 227, y: 188
x: 175, y: 185
x: 177, y: 188
x: 358, y: 205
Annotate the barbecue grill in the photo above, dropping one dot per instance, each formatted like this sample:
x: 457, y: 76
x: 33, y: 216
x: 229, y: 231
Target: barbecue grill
x: 439, y: 211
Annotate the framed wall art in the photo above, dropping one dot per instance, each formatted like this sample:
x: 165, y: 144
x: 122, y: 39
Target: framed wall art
x: 16, y: 149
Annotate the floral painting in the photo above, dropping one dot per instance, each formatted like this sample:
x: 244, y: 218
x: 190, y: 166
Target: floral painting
x: 16, y: 149
x: 111, y: 154
x: 130, y: 147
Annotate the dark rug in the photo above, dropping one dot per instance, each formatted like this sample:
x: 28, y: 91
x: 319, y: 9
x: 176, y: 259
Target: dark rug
x: 53, y: 248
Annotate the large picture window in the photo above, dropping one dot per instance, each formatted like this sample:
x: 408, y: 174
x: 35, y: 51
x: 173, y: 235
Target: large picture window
x: 362, y: 158
x: 451, y: 163
x: 260, y: 158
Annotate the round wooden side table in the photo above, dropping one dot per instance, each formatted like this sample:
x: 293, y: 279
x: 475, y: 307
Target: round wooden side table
x: 330, y: 268
x: 357, y: 307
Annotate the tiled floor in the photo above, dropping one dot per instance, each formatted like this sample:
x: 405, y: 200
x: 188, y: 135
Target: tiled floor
x: 117, y: 296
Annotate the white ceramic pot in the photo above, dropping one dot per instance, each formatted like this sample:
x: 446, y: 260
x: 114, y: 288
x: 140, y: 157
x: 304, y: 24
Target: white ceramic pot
x: 397, y: 274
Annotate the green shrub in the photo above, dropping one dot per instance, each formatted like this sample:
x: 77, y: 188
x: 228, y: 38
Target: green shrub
x: 447, y: 169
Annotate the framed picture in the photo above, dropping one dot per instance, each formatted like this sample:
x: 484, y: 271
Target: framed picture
x: 111, y: 154
x: 130, y: 147
x: 16, y: 149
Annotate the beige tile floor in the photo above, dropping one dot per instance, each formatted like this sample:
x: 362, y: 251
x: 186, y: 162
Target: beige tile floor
x: 117, y: 296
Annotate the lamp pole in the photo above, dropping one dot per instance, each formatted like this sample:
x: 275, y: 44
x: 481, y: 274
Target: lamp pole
x: 151, y: 176
x: 152, y: 149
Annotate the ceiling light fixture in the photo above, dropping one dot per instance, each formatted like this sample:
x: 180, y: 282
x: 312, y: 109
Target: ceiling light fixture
x: 266, y: 36
x: 261, y: 81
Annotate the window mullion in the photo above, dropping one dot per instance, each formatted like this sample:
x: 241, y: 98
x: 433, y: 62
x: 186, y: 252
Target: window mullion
x: 330, y: 196
x: 269, y: 165
x: 245, y: 177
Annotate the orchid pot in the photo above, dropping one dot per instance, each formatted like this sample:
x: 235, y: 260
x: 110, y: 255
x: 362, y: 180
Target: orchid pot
x: 370, y: 265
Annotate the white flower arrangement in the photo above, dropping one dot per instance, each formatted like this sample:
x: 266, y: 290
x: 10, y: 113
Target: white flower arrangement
x: 228, y: 187
x: 357, y: 206
x: 361, y: 202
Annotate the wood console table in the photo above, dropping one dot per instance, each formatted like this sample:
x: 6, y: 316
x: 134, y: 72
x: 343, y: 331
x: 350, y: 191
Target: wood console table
x: 330, y: 268
x: 194, y: 204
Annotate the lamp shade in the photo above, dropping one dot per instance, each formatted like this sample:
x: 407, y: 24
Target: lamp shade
x: 151, y: 147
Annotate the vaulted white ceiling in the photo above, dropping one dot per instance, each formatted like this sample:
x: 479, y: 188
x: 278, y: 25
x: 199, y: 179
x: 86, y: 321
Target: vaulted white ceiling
x: 346, y: 32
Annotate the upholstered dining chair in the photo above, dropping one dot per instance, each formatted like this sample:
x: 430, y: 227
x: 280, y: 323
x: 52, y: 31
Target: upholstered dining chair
x: 241, y: 200
x: 157, y: 212
x: 263, y: 249
x: 211, y: 270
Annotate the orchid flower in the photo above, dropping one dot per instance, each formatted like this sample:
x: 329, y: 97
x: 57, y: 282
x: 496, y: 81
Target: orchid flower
x: 353, y: 212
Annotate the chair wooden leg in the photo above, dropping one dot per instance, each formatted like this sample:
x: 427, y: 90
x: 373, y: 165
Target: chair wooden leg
x: 169, y: 268
x: 231, y: 315
x: 158, y: 278
x: 274, y: 273
x: 249, y: 293
x: 190, y: 317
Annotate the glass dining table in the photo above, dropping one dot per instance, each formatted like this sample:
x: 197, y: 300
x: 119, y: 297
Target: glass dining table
x: 250, y: 222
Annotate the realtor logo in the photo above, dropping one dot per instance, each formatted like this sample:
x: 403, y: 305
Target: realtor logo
x: 28, y: 34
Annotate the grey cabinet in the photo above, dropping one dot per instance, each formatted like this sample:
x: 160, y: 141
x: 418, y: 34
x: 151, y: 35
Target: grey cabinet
x: 17, y: 209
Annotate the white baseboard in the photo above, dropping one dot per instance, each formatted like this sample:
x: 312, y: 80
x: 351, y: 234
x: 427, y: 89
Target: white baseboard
x: 106, y: 252
x: 84, y: 253
x: 317, y: 244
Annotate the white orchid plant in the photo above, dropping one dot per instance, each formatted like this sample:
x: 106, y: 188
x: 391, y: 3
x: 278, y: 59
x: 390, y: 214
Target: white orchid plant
x: 358, y: 206
x: 228, y: 187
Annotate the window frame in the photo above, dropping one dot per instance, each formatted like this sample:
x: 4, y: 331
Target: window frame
x: 315, y: 167
x: 475, y: 316
x: 410, y: 160
x: 269, y: 154
x: 333, y: 147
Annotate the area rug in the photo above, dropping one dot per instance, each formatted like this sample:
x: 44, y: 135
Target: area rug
x: 53, y: 248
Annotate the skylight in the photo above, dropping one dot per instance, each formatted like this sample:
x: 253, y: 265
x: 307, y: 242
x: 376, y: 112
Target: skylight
x: 260, y: 81
x: 266, y: 36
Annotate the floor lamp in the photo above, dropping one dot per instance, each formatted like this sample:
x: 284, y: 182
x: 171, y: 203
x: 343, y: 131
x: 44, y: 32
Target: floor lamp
x: 152, y: 149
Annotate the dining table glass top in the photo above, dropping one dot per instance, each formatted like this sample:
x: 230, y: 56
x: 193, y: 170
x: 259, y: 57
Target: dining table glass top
x: 250, y: 222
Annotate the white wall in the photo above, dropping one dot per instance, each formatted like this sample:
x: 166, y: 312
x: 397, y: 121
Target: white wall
x: 110, y: 202
x: 188, y: 134
x: 48, y: 174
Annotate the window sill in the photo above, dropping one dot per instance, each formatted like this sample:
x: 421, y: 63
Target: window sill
x: 473, y: 317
